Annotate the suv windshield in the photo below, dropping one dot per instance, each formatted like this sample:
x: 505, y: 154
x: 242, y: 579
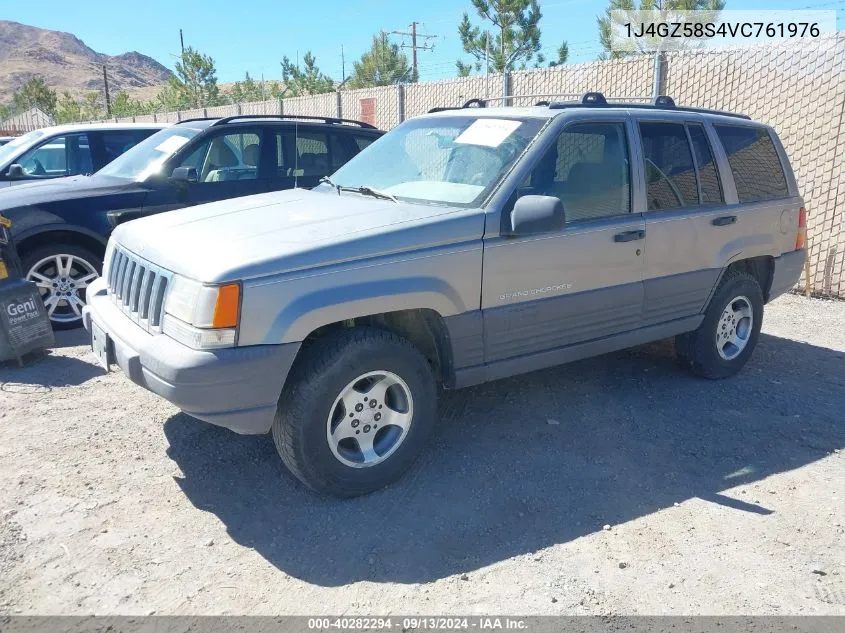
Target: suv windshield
x: 11, y: 149
x: 454, y: 160
x: 148, y: 156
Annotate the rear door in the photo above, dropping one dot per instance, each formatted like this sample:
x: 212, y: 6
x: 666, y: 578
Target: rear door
x: 695, y: 225
x: 584, y: 282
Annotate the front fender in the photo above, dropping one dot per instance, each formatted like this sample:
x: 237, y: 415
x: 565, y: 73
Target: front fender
x: 447, y: 281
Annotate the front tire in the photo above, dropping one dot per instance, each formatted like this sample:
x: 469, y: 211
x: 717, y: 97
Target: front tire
x: 355, y: 412
x: 726, y: 338
x: 62, y: 273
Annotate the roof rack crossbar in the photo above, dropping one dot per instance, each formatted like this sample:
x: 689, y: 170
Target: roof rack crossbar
x: 472, y: 103
x: 294, y: 117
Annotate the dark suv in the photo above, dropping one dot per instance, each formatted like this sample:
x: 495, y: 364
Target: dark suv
x: 61, y: 227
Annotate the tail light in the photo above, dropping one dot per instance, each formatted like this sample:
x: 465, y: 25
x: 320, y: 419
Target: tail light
x: 801, y: 237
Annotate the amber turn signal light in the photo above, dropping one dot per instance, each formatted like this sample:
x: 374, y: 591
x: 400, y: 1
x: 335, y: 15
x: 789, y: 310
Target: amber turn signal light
x: 228, y: 306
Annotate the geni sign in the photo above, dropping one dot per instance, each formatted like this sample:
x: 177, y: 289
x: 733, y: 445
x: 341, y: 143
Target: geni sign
x: 19, y: 309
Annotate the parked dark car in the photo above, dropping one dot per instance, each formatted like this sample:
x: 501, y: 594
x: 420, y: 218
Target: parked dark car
x: 61, y: 227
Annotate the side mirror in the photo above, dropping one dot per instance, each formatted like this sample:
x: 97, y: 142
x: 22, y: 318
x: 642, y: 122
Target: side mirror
x: 537, y: 214
x: 15, y: 172
x: 184, y: 175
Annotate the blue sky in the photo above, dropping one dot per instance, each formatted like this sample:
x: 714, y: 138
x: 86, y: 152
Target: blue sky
x: 253, y: 36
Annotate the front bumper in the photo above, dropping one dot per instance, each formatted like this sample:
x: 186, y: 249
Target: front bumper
x: 787, y: 272
x: 236, y: 388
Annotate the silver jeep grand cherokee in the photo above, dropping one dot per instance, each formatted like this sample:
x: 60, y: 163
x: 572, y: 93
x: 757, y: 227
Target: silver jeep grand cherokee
x: 464, y: 246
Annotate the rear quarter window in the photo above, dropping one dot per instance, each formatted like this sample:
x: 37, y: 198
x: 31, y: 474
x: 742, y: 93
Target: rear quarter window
x: 755, y: 164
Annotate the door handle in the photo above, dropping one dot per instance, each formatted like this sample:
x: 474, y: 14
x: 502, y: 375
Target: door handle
x: 629, y: 236
x: 725, y: 220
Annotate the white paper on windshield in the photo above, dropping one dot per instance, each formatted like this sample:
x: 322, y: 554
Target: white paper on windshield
x: 488, y: 132
x: 171, y: 144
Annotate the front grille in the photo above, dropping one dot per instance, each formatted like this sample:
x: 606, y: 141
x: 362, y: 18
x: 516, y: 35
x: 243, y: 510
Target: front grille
x: 137, y: 287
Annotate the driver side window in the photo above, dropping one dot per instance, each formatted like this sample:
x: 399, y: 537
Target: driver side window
x: 60, y: 156
x: 226, y: 157
x: 587, y: 169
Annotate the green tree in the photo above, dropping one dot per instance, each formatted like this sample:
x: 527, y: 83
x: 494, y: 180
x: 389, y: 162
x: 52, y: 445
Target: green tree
x: 4, y: 111
x: 246, y: 90
x: 562, y: 55
x: 308, y: 80
x: 35, y: 93
x: 123, y: 105
x: 194, y: 84
x: 660, y: 7
x: 512, y: 37
x: 384, y: 64
x: 70, y: 110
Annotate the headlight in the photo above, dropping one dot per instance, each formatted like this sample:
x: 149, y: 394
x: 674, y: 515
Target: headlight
x: 202, y: 316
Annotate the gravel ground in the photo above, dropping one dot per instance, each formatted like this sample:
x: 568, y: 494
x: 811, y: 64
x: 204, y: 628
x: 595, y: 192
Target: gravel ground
x: 619, y: 484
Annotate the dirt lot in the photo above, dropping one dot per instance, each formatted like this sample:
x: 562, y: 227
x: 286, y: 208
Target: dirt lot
x: 720, y: 497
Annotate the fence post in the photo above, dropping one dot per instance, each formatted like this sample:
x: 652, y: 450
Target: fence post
x: 178, y: 115
x: 281, y: 106
x: 506, y: 88
x: 400, y: 102
x: 339, y: 105
x: 239, y: 110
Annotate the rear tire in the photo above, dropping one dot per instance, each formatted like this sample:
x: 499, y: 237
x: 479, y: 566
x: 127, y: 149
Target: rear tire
x: 726, y: 338
x: 62, y: 273
x: 355, y: 412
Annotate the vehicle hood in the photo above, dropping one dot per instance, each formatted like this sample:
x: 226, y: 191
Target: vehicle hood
x: 291, y: 230
x: 53, y: 190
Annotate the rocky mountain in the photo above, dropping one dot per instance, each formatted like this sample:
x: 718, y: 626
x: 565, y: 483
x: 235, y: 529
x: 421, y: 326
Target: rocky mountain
x: 66, y: 63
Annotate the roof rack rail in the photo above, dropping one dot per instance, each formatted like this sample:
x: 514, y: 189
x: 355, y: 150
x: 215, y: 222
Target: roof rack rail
x: 197, y: 118
x: 294, y: 117
x: 472, y: 103
x: 663, y: 102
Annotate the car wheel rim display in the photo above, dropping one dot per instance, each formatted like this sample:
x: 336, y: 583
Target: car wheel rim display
x: 734, y: 328
x: 62, y: 280
x: 370, y: 419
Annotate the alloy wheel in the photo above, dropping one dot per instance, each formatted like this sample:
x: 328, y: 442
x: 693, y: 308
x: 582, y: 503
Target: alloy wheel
x: 370, y: 419
x: 62, y: 280
x: 734, y: 328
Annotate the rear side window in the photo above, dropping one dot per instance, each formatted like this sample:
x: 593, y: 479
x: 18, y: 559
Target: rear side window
x: 118, y: 141
x: 363, y: 141
x: 669, y: 169
x: 755, y: 164
x: 708, y: 175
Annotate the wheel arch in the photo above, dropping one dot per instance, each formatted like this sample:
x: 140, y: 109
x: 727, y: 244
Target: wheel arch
x: 425, y: 328
x: 28, y: 241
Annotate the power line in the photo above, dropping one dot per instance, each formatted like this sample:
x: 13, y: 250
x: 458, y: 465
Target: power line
x: 414, y: 46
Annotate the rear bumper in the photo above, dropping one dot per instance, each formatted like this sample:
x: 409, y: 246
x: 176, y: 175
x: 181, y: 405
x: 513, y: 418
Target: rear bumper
x: 788, y: 268
x: 235, y: 388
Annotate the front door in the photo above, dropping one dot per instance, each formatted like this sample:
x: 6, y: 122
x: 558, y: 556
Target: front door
x: 547, y: 291
x: 228, y: 165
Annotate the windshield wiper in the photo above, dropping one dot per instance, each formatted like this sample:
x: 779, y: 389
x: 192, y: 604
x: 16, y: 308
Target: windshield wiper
x: 369, y: 191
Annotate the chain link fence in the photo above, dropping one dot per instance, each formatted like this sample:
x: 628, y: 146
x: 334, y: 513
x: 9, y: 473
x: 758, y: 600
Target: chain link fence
x: 798, y: 88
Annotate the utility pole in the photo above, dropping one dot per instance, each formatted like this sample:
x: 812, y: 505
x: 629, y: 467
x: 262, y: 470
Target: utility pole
x: 414, y: 46
x: 342, y: 66
x: 106, y: 85
x: 182, y: 41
